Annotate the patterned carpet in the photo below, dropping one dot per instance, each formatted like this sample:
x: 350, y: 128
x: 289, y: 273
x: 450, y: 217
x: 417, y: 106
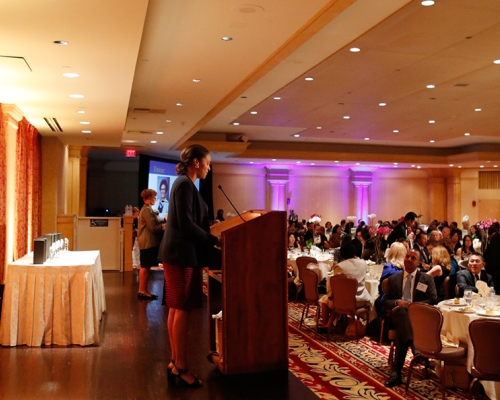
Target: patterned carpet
x: 345, y: 368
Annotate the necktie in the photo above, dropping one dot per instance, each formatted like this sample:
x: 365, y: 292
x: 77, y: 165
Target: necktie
x: 477, y: 277
x: 407, y: 289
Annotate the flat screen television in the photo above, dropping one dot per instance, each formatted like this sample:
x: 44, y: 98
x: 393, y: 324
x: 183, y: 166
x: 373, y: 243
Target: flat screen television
x: 159, y: 174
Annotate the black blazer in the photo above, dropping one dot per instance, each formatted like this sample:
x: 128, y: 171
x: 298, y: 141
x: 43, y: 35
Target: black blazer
x: 187, y: 239
x: 466, y: 281
x: 395, y: 290
x: 425, y: 257
x: 398, y: 232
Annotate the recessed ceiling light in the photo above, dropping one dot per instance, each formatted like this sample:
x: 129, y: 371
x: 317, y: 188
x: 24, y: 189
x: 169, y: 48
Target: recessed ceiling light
x: 236, y: 123
x: 413, y: 165
x: 477, y: 109
x: 298, y: 162
x: 367, y: 138
x: 168, y: 120
x: 395, y: 131
x: 274, y: 159
x: 251, y: 162
x: 430, y: 86
x: 481, y: 166
x: 432, y: 141
x: 382, y: 104
x: 153, y: 141
x: 418, y: 166
x: 432, y: 121
x: 357, y: 163
x: 178, y: 104
x: 312, y: 163
x: 395, y: 166
x: 277, y: 98
x: 296, y: 135
x: 84, y: 122
x: 319, y: 127
x: 354, y: 49
x: 61, y: 42
x: 395, y: 163
x: 80, y: 112
x: 253, y: 112
x: 346, y: 117
x: 196, y: 80
x: 427, y: 3
x: 308, y: 78
x: 159, y: 133
x: 451, y: 165
x: 495, y: 166
x: 459, y: 166
x: 86, y: 131
x: 76, y: 96
x: 496, y: 62
x: 336, y: 161
x: 226, y: 38
x: 71, y: 75
x: 466, y: 134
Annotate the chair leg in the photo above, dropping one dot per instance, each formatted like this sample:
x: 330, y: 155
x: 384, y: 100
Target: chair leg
x: 443, y: 380
x: 382, y: 322
x: 306, y: 306
x: 472, y: 386
x: 412, y: 364
x: 317, y: 318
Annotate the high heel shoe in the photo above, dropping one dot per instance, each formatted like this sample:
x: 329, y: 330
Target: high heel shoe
x: 170, y: 375
x: 178, y: 377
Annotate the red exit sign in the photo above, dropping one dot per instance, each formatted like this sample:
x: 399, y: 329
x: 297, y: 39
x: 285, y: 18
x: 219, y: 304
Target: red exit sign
x: 130, y: 153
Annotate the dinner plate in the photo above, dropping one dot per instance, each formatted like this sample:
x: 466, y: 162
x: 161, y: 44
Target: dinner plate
x: 464, y: 311
x: 484, y: 314
x: 451, y: 303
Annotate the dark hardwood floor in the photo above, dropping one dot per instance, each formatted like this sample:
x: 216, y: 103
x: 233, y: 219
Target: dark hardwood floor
x: 130, y: 362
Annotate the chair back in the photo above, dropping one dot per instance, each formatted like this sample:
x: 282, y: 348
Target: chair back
x: 385, y: 282
x: 344, y: 290
x: 426, y: 322
x: 484, y: 334
x: 310, y: 280
x: 302, y: 263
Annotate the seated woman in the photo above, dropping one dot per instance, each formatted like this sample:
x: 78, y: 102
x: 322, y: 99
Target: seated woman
x: 395, y: 264
x: 441, y: 268
x: 354, y: 268
x: 368, y: 245
x: 292, y: 241
x: 328, y: 229
x: 455, y: 240
x: 319, y: 238
x: 446, y: 243
x: 465, y: 251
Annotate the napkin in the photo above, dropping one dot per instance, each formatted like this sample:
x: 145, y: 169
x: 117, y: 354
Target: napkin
x: 449, y: 340
x: 483, y: 288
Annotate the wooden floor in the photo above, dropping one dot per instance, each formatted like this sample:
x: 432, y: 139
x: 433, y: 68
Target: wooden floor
x: 130, y: 362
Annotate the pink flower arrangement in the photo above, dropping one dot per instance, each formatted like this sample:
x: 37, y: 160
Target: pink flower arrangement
x: 384, y: 230
x: 315, y: 218
x: 485, y: 224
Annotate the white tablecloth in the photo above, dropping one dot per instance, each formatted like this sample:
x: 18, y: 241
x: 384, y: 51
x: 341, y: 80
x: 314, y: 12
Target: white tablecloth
x: 457, y: 324
x: 59, y: 302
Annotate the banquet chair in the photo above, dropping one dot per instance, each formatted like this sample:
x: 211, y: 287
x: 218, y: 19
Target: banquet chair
x: 450, y: 287
x: 391, y: 333
x: 426, y: 323
x: 310, y: 282
x: 484, y: 334
x: 302, y: 263
x: 344, y: 290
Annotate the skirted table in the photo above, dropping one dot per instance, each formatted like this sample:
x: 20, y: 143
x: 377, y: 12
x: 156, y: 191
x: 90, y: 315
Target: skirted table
x: 59, y: 302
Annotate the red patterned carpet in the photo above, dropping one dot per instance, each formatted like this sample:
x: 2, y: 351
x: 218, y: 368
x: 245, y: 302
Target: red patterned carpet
x: 344, y: 368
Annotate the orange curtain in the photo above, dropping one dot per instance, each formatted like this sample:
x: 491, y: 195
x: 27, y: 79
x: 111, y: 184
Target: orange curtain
x: 3, y: 195
x: 28, y: 188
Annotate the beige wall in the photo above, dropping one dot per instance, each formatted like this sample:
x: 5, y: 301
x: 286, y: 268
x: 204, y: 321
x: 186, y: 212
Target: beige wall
x: 485, y: 199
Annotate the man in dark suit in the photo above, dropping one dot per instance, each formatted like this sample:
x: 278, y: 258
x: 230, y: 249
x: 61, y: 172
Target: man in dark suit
x: 466, y: 279
x: 492, y: 256
x: 404, y: 288
x: 401, y: 229
x: 420, y: 244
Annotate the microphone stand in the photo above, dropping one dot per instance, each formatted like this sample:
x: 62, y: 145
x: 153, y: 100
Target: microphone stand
x: 230, y: 202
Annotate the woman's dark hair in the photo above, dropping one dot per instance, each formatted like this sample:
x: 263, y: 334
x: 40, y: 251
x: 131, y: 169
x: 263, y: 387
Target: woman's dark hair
x: 190, y: 153
x: 471, y: 243
x: 334, y: 230
x: 347, y: 250
x: 365, y: 234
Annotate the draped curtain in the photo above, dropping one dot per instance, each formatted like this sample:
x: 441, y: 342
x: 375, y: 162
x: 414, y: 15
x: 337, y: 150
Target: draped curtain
x: 3, y: 195
x: 28, y: 188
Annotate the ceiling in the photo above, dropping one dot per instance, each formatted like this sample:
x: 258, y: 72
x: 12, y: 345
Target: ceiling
x: 137, y: 60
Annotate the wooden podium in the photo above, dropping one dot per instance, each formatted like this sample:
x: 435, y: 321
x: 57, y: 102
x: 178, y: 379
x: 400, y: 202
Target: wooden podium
x: 251, y: 290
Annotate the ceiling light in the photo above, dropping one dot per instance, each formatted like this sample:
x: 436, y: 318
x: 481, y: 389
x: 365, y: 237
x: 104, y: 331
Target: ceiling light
x: 71, y: 75
x: 451, y: 165
x: 395, y: 131
x: 76, y: 96
x: 226, y: 38
x: 346, y: 117
x: 481, y: 166
x: 419, y: 167
x: 395, y: 163
x: 430, y: 86
x: 236, y: 123
x: 432, y: 141
x: 495, y: 166
x: 80, y: 112
x: 466, y: 134
x: 296, y: 135
x: 153, y: 141
x: 84, y: 122
x: 312, y: 163
x: 298, y: 162
x: 382, y: 104
x: 309, y: 78
x: 61, y: 42
x: 367, y: 138
x: 427, y: 3
x: 196, y: 80
x: 496, y: 62
x: 432, y: 121
x: 477, y: 109
x: 413, y: 165
x: 253, y: 112
x: 318, y: 127
x: 159, y: 133
x: 354, y: 49
x: 459, y: 166
x: 357, y: 163
x: 86, y: 131
x: 168, y: 120
x: 395, y: 166
x: 274, y: 159
x: 178, y: 104
x: 277, y: 98
x: 335, y: 161
x: 251, y: 162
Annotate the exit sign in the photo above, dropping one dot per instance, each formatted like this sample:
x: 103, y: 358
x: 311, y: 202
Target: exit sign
x: 130, y: 153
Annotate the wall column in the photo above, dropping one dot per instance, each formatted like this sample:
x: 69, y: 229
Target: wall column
x: 362, y: 181
x: 454, y: 193
x: 437, y: 198
x: 278, y: 180
x: 73, y: 188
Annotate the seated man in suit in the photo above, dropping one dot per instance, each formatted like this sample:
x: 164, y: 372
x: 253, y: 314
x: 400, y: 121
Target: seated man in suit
x: 420, y: 244
x: 403, y: 288
x: 466, y: 279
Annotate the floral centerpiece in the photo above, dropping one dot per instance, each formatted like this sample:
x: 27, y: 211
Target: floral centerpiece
x: 351, y: 218
x: 315, y: 218
x: 486, y: 223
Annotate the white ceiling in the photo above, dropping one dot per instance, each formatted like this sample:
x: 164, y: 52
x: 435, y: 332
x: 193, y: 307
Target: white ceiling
x: 137, y: 60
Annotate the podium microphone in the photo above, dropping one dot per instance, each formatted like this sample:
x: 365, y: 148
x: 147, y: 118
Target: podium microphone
x: 230, y: 202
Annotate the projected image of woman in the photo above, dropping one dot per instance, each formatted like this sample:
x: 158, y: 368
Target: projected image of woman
x: 163, y: 192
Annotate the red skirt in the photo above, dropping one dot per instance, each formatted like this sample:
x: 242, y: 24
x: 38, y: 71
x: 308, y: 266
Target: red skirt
x: 183, y: 287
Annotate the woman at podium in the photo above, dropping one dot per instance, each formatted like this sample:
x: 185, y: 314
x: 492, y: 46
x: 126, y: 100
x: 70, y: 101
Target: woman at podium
x: 184, y: 251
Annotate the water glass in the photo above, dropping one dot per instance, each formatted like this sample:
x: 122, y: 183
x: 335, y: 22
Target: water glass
x: 468, y: 297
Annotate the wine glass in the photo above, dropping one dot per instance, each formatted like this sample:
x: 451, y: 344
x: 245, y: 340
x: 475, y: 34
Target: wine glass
x: 468, y: 297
